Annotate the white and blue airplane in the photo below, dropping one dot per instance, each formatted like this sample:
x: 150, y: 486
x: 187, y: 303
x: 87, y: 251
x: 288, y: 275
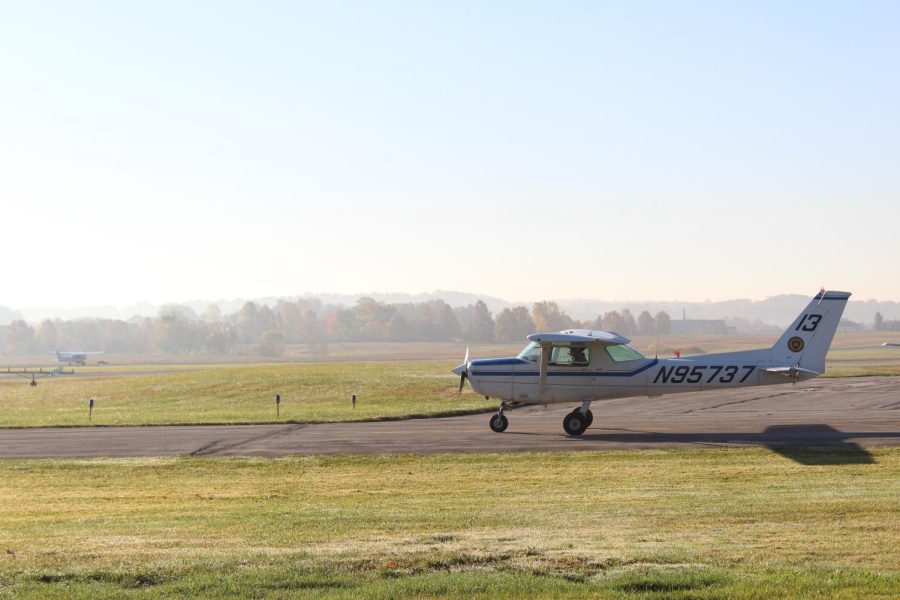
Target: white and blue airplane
x: 587, y: 365
x: 73, y: 357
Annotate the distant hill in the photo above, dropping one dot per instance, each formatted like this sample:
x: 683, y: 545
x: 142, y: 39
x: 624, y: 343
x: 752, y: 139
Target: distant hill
x: 776, y: 310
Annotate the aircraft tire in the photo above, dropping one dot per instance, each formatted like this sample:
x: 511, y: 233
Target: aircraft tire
x: 590, y: 418
x: 575, y: 423
x: 499, y: 423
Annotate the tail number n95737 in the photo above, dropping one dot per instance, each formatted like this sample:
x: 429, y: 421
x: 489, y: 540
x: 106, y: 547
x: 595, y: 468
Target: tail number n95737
x: 709, y: 374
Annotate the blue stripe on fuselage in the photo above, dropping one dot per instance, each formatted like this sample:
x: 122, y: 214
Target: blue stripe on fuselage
x: 650, y: 364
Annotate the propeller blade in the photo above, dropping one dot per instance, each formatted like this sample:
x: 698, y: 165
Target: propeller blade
x: 463, y: 371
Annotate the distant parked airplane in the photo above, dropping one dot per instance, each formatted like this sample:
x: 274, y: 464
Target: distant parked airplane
x: 74, y: 358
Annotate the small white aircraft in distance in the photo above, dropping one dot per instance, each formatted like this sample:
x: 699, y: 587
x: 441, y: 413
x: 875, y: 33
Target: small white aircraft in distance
x: 73, y: 358
x: 587, y: 365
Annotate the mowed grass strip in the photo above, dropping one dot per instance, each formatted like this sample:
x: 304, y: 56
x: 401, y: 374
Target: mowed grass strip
x: 737, y: 523
x: 241, y: 394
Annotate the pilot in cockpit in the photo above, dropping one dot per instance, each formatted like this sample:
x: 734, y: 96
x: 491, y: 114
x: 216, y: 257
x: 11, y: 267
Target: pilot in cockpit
x: 578, y: 357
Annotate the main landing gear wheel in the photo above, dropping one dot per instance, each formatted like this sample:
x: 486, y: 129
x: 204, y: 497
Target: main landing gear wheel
x: 590, y: 418
x: 576, y: 423
x: 499, y: 423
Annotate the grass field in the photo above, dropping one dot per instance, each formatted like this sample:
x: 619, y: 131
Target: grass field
x: 241, y: 394
x: 730, y: 523
x: 420, y: 384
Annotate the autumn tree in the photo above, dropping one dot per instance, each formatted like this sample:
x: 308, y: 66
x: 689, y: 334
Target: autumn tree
x: 645, y: 324
x: 19, y: 339
x: 629, y: 327
x: 611, y: 321
x: 547, y: 316
x: 663, y: 323
x: 247, y: 323
x: 172, y: 333
x: 513, y: 324
x: 476, y: 322
x: 271, y: 343
x: 47, y: 336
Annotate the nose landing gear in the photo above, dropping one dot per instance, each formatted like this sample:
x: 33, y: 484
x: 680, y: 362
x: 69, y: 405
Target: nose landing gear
x: 577, y: 421
x: 499, y: 422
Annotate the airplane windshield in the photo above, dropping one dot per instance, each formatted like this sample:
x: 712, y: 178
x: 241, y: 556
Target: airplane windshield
x: 531, y: 352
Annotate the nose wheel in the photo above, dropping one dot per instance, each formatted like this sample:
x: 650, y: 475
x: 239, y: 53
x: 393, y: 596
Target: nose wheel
x: 499, y: 422
x: 577, y: 422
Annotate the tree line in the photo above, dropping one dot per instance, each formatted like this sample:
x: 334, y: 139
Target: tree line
x: 882, y: 325
x: 265, y: 330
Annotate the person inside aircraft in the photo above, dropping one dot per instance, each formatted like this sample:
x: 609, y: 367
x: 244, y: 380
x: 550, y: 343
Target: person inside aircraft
x: 578, y: 357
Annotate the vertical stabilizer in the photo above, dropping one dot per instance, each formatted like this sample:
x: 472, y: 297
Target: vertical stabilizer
x: 806, y: 341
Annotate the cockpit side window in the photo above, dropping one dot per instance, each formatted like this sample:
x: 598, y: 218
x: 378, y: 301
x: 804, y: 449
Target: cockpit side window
x: 560, y: 356
x: 570, y: 356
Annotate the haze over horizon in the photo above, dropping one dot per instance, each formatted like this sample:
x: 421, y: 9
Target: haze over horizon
x: 690, y: 151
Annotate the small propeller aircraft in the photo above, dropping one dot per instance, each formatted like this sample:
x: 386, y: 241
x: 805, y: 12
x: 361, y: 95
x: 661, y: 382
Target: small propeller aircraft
x: 587, y: 365
x: 73, y: 357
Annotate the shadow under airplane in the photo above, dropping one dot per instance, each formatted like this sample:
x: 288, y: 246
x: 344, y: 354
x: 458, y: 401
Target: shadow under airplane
x: 808, y: 444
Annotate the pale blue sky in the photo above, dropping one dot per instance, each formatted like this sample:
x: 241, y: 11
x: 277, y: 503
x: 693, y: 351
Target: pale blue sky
x: 673, y: 150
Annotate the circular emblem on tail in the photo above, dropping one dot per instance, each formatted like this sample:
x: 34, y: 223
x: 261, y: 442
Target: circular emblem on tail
x: 795, y: 344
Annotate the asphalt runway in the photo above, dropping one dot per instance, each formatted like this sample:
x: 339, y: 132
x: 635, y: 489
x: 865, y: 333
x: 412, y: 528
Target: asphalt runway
x: 850, y: 413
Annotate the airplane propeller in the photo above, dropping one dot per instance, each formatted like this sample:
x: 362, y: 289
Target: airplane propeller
x: 463, y: 371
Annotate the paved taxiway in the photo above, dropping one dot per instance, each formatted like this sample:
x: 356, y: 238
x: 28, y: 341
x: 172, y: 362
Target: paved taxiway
x: 849, y: 412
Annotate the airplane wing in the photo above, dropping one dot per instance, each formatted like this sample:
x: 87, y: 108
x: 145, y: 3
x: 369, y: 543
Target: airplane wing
x: 581, y: 336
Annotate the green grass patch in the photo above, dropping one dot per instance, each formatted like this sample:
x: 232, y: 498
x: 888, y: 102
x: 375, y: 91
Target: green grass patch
x: 736, y: 523
x: 242, y: 394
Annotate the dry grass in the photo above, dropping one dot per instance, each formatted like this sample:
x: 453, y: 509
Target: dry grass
x: 719, y: 520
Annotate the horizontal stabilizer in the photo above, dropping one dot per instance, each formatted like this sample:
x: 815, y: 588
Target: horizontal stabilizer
x: 793, y: 372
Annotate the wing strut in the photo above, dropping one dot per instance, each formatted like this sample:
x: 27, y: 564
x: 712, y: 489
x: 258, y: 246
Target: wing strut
x: 545, y: 360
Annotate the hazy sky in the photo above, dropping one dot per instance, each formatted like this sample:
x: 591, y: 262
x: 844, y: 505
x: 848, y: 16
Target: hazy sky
x: 166, y: 151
